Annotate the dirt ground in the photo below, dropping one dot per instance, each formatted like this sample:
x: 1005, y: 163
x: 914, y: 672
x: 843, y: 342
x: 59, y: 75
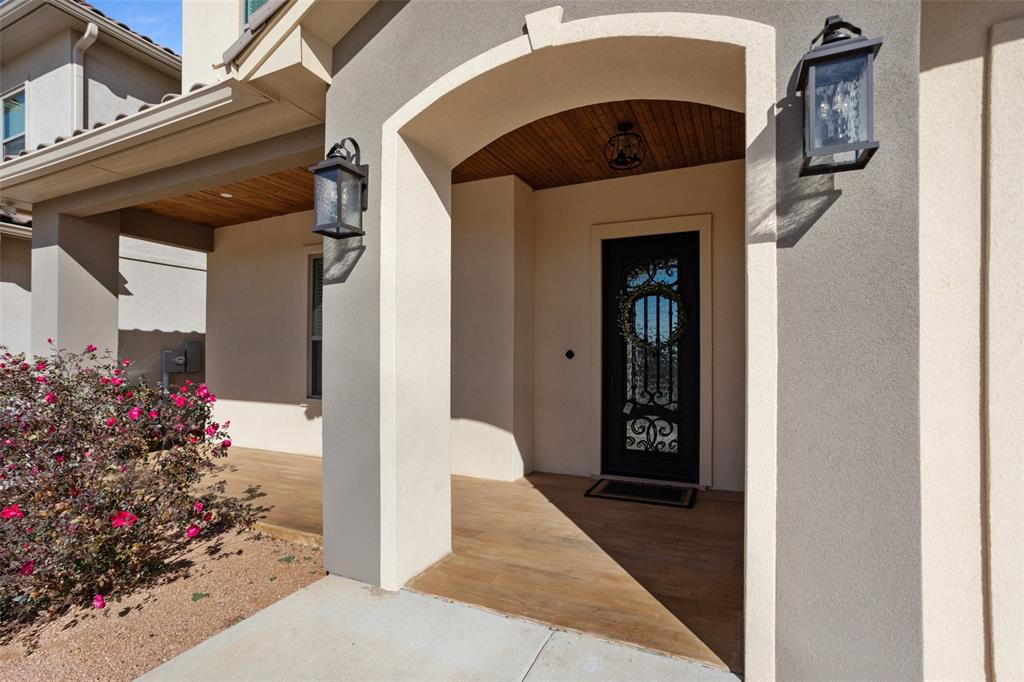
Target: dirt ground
x: 230, y: 578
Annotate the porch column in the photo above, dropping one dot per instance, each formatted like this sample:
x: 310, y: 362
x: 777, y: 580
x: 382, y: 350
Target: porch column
x: 74, y: 280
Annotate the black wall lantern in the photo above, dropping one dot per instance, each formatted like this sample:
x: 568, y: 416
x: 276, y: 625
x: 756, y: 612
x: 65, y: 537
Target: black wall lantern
x: 625, y: 150
x: 837, y: 81
x: 340, y: 192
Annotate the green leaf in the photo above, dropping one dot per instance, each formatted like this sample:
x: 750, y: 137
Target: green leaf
x: 273, y: 578
x: 196, y: 596
x: 287, y: 558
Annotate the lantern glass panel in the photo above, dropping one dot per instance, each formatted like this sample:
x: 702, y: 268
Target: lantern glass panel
x: 351, y: 202
x: 840, y: 108
x: 325, y: 195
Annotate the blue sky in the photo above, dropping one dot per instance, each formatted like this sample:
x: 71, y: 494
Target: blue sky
x: 158, y: 19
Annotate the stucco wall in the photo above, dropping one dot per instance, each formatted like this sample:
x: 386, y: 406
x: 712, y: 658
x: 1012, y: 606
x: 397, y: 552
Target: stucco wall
x: 209, y: 28
x: 118, y: 84
x: 161, y: 303
x: 15, y: 293
x: 47, y: 69
x: 954, y: 211
x: 848, y: 591
x: 564, y: 217
x: 492, y: 329
x: 257, y: 326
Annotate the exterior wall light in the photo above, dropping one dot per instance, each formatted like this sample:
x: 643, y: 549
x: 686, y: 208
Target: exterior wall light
x: 838, y: 84
x: 340, y: 192
x: 625, y: 150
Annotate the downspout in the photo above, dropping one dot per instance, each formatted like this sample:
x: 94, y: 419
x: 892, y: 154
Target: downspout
x: 92, y: 31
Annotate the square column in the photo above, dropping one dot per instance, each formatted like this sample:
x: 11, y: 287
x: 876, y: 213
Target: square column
x: 75, y: 281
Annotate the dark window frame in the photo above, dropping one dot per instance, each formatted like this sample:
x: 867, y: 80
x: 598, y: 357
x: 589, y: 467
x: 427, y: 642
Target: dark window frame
x: 314, y: 375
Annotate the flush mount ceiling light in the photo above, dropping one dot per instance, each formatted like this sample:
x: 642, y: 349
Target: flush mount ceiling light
x: 625, y: 150
x: 227, y: 195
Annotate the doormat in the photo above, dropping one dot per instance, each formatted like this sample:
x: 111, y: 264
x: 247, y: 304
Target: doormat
x: 648, y: 493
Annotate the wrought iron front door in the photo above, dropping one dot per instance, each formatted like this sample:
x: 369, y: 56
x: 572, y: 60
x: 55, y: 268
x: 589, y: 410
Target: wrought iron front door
x: 651, y: 347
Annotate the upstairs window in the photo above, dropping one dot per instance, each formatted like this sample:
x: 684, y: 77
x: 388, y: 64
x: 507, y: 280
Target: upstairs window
x: 316, y: 325
x: 251, y: 6
x: 14, y: 122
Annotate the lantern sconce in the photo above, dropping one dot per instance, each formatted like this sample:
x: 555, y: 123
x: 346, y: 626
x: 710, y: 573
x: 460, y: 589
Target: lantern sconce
x: 340, y: 192
x: 837, y: 82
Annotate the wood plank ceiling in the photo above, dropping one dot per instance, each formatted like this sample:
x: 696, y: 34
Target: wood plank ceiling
x: 287, y: 191
x: 569, y: 147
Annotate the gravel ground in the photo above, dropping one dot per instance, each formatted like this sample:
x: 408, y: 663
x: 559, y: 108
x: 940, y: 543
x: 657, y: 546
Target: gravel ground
x: 230, y: 578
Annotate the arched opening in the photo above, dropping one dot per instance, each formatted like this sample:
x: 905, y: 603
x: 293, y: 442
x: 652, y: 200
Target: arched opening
x: 713, y: 61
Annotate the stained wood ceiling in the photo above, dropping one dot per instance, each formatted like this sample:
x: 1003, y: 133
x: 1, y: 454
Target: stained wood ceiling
x: 569, y: 147
x: 287, y: 191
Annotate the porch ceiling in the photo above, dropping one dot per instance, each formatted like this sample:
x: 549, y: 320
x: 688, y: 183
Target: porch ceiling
x: 287, y: 191
x: 568, y: 148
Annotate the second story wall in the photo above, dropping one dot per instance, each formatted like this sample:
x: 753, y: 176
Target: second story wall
x: 45, y: 73
x: 209, y: 27
x: 117, y: 84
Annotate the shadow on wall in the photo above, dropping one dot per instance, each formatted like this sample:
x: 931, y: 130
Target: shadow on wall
x: 16, y: 267
x: 143, y: 349
x: 801, y: 201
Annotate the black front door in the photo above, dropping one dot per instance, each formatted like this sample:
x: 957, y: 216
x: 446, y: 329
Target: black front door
x: 651, y: 346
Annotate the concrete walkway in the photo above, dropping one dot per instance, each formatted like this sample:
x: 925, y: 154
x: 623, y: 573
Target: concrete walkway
x: 339, y: 629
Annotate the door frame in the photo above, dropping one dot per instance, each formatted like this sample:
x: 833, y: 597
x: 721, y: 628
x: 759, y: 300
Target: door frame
x: 702, y: 223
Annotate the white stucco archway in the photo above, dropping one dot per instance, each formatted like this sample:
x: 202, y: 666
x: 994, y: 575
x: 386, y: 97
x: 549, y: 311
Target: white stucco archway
x: 716, y: 60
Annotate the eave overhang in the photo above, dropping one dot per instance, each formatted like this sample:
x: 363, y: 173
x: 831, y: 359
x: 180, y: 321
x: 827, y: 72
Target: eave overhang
x: 209, y: 120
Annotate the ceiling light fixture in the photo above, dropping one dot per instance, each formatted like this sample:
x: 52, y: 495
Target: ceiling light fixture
x: 227, y: 195
x: 625, y: 150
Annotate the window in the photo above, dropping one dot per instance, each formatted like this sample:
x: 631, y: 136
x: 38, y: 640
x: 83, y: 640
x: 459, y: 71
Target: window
x: 14, y: 123
x: 316, y: 325
x: 251, y: 6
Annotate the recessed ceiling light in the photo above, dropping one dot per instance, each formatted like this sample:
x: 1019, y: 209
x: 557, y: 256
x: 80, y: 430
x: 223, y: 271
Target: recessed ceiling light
x: 227, y: 195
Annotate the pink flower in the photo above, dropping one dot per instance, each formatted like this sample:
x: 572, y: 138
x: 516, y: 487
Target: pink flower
x: 226, y: 443
x: 40, y: 379
x: 180, y: 400
x: 25, y: 365
x: 98, y: 602
x: 207, y: 516
x: 117, y: 381
x: 59, y: 458
x: 41, y: 365
x: 50, y: 398
x: 211, y: 430
x: 49, y: 340
x: 135, y: 413
x: 123, y: 518
x: 110, y: 421
x: 198, y: 506
x: 192, y: 531
x: 12, y: 512
x: 90, y: 348
x: 153, y: 414
x: 202, y: 391
x: 211, y: 398
x: 126, y: 362
x: 104, y: 381
x: 28, y: 567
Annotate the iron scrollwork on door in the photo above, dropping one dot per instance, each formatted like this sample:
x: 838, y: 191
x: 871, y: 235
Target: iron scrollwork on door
x: 652, y: 320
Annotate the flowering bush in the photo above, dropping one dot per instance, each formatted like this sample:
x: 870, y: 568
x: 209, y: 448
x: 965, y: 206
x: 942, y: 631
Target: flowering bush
x: 101, y: 481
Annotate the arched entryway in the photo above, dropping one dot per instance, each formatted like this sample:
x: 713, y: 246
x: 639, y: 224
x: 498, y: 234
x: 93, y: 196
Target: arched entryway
x: 718, y: 61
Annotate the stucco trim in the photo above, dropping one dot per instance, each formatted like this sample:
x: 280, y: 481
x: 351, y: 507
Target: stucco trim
x: 701, y: 223
x: 399, y: 179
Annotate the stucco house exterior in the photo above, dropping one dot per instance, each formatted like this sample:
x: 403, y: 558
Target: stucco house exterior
x: 66, y: 68
x: 845, y: 349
